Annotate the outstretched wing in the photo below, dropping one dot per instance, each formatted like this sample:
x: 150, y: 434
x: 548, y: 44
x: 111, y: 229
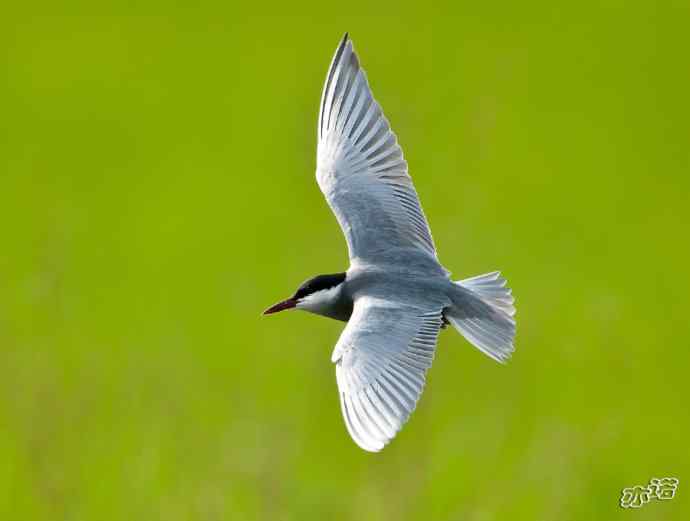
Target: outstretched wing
x: 381, y: 361
x: 361, y: 169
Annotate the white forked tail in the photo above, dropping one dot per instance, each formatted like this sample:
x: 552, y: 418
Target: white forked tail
x: 482, y: 312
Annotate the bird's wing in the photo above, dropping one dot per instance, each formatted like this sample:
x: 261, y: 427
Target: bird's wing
x: 361, y: 169
x: 381, y: 361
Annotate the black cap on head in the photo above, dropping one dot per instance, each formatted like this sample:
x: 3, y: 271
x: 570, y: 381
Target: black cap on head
x: 318, y: 283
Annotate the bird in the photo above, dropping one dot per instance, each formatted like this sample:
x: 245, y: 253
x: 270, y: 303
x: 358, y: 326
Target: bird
x: 395, y: 297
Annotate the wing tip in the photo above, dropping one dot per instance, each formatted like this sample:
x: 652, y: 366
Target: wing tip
x: 357, y: 427
x: 343, y: 43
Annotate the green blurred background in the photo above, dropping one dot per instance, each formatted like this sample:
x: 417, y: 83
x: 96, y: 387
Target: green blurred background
x: 157, y: 192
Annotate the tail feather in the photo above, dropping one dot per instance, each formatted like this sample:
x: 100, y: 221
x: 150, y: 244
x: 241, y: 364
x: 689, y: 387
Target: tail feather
x: 482, y: 312
x: 492, y: 288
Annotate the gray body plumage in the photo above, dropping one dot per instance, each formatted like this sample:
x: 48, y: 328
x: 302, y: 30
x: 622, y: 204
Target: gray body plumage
x: 395, y: 296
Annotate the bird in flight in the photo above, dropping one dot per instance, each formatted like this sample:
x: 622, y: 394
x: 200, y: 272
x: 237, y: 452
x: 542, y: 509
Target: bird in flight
x: 395, y: 296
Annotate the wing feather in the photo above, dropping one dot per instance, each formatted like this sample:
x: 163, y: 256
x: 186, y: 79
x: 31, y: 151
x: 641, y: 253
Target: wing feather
x: 381, y: 362
x: 361, y: 169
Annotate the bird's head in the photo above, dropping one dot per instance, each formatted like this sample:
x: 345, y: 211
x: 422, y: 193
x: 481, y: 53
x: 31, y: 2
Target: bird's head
x: 315, y: 295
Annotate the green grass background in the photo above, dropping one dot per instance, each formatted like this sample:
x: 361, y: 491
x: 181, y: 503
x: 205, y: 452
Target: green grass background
x: 157, y: 192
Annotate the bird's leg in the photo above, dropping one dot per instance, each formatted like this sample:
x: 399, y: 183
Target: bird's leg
x: 445, y: 322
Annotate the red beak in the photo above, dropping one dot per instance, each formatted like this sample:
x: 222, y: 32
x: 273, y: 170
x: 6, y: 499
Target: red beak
x: 280, y: 306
